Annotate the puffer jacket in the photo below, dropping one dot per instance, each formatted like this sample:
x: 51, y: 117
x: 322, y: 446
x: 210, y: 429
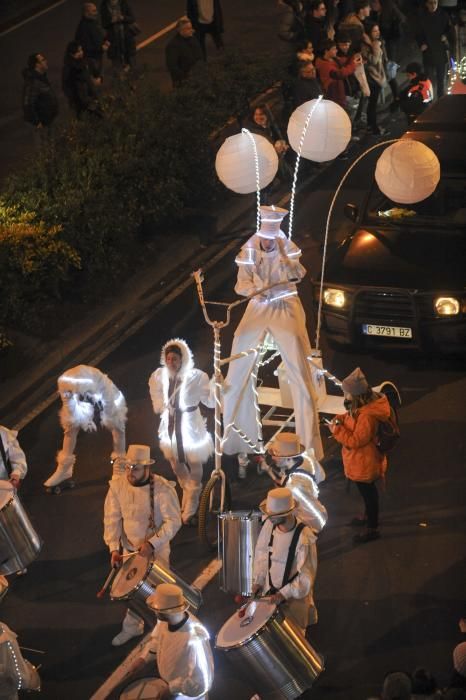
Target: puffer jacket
x: 362, y: 460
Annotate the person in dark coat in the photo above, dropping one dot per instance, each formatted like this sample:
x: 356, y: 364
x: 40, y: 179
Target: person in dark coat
x: 306, y: 86
x: 316, y: 24
x: 91, y: 36
x: 120, y: 27
x: 207, y: 18
x: 79, y: 85
x: 40, y: 105
x: 182, y: 52
x: 435, y: 36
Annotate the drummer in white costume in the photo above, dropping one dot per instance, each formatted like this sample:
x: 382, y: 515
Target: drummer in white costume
x: 285, y: 559
x: 294, y: 469
x: 177, y: 388
x: 141, y: 513
x: 88, y: 395
x: 269, y: 257
x: 12, y: 458
x: 180, y: 646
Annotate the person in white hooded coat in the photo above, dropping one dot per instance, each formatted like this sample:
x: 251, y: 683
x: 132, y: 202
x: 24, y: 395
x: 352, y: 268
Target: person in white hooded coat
x: 180, y: 646
x: 267, y: 258
x: 88, y: 395
x: 141, y: 513
x: 176, y: 389
x: 16, y: 673
x: 13, y: 466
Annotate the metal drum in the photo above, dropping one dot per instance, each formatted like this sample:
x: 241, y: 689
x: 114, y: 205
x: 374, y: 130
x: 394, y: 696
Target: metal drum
x: 270, y: 651
x: 137, y: 580
x: 238, y: 535
x: 19, y: 542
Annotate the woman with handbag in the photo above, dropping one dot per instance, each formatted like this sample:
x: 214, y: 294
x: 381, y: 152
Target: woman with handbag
x: 363, y: 462
x: 121, y: 29
x: 375, y: 56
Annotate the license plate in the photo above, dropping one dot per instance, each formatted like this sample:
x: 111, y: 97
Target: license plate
x: 387, y: 331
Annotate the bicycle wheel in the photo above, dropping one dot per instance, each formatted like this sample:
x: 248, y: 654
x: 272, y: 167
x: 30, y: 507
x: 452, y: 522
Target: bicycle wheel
x: 209, y: 508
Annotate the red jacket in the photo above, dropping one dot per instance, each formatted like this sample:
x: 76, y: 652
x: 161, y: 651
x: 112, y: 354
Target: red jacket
x: 332, y: 76
x: 361, y: 458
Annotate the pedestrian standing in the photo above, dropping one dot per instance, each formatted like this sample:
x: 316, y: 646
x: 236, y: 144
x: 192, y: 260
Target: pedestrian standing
x: 436, y: 39
x: 79, y: 84
x: 356, y: 431
x: 207, y: 18
x: 91, y: 36
x: 121, y: 29
x: 177, y: 388
x: 182, y: 52
x: 40, y: 105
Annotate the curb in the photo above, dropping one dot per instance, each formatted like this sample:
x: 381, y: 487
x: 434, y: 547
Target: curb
x: 21, y: 16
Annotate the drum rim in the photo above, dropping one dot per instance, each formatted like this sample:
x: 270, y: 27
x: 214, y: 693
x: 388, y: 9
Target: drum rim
x: 135, y: 589
x: 8, y: 503
x: 232, y: 514
x: 253, y: 635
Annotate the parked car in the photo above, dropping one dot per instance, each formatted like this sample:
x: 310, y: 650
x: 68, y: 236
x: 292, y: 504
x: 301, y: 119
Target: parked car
x: 399, y: 278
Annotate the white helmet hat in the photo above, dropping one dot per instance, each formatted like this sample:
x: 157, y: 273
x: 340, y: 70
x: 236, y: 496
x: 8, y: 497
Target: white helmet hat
x: 271, y: 218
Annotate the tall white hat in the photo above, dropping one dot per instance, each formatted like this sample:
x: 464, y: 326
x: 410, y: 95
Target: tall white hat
x: 271, y: 218
x: 139, y: 454
x: 286, y: 445
x: 167, y: 598
x: 279, y: 502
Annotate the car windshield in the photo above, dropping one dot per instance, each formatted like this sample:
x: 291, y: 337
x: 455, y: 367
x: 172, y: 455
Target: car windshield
x: 445, y: 207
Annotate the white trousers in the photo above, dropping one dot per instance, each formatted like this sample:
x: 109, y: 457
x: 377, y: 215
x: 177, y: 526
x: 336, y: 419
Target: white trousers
x: 190, y: 480
x: 285, y: 320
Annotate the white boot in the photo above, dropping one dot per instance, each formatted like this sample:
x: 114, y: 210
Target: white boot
x: 118, y: 462
x: 64, y: 470
x: 243, y: 461
x: 191, y: 495
x: 132, y: 626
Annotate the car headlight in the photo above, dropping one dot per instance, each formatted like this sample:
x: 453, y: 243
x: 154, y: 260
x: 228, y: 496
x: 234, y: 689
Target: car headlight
x: 447, y: 306
x: 334, y: 297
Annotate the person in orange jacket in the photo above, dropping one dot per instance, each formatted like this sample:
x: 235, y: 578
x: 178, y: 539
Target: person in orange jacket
x: 363, y: 462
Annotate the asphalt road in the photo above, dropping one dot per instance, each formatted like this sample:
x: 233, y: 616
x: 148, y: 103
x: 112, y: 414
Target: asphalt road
x: 393, y: 603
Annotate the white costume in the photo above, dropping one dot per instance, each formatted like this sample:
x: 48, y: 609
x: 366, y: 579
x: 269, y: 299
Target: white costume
x: 15, y: 672
x: 280, y: 313
x: 14, y: 454
x: 298, y: 592
x: 183, y: 435
x: 87, y: 393
x: 128, y: 515
x: 300, y: 480
x: 184, y: 658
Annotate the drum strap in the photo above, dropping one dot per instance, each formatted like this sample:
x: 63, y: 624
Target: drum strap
x: 152, y: 527
x: 297, y: 470
x: 289, y: 560
x: 6, y: 460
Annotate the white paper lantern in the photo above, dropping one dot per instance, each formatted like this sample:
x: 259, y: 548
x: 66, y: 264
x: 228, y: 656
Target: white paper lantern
x: 407, y: 172
x: 328, y: 132
x: 236, y: 164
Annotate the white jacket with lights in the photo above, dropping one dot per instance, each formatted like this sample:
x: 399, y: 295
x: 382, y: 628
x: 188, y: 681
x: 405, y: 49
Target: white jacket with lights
x: 83, y: 386
x: 195, y: 389
x: 127, y: 513
x: 184, y: 658
x: 14, y: 453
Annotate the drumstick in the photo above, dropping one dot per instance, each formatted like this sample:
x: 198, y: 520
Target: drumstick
x: 107, y: 583
x: 131, y: 554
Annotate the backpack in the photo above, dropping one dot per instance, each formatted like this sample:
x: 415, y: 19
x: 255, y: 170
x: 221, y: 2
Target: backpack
x: 388, y: 433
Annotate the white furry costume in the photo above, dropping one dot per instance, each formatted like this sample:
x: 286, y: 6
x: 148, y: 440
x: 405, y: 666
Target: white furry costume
x: 15, y: 671
x: 179, y: 413
x: 280, y: 313
x: 81, y: 390
x: 14, y: 454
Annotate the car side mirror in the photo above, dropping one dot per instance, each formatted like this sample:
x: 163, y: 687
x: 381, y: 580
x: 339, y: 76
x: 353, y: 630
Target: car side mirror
x: 351, y: 212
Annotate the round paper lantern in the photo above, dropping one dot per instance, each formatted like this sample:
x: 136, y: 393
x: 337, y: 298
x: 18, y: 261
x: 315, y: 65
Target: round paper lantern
x: 236, y: 164
x: 328, y: 132
x: 407, y: 172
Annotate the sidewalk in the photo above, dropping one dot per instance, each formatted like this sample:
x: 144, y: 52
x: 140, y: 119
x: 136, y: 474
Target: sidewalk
x: 12, y: 12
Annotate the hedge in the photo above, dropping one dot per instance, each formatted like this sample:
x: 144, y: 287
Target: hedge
x: 80, y: 204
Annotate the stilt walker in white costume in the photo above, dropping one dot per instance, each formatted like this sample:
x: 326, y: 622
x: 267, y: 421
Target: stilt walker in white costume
x: 88, y: 397
x: 267, y: 258
x: 177, y: 388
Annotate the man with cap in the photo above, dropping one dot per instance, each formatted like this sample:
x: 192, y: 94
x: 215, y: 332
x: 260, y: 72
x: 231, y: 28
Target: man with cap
x: 269, y: 257
x: 141, y: 513
x: 285, y: 559
x: 13, y: 465
x: 89, y: 398
x: 300, y: 473
x: 363, y: 462
x: 180, y: 645
x: 176, y: 389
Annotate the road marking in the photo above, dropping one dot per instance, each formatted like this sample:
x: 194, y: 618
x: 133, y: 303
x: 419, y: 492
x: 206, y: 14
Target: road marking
x: 29, y: 19
x: 122, y: 670
x: 156, y: 36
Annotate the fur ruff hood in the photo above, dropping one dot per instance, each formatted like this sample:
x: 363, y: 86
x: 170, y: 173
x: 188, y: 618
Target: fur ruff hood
x: 187, y: 361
